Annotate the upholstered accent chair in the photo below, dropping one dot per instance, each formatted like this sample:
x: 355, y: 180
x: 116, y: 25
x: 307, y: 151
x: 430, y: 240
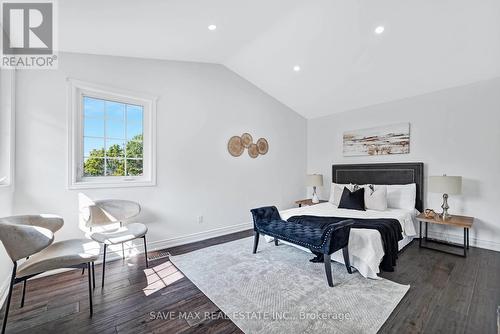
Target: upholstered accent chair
x: 106, y: 215
x: 29, y: 242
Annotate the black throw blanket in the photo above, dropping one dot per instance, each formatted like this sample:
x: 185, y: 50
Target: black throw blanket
x: 390, y: 231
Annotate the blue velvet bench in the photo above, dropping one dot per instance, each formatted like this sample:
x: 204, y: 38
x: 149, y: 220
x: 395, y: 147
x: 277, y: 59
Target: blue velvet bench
x: 324, y: 240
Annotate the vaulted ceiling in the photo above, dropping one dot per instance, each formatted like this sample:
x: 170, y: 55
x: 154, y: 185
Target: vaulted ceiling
x: 427, y: 45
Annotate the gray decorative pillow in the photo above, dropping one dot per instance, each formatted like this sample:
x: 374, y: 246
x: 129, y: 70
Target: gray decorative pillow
x: 375, y: 197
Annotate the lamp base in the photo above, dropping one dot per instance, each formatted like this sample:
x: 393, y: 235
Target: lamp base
x: 445, y: 215
x: 315, y: 198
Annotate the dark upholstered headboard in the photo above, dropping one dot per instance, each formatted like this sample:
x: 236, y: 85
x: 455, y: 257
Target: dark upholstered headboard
x: 384, y: 173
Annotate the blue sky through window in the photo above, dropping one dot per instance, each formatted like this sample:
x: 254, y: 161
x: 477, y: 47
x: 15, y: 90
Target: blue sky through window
x: 107, y: 123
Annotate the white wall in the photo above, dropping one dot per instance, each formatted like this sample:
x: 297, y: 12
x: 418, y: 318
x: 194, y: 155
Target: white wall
x: 454, y: 131
x: 200, y: 107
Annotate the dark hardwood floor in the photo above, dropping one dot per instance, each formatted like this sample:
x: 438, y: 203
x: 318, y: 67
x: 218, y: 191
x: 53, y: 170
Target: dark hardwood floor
x: 448, y: 294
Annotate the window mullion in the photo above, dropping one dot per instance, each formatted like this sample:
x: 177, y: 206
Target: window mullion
x: 105, y: 141
x: 126, y: 138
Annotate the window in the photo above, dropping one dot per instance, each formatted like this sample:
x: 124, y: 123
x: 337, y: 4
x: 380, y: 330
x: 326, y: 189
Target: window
x: 112, y: 137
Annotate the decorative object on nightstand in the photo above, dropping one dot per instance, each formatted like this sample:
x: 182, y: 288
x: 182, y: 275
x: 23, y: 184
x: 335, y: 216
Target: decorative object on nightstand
x: 314, y: 180
x: 446, y: 185
x: 307, y: 202
x: 429, y: 213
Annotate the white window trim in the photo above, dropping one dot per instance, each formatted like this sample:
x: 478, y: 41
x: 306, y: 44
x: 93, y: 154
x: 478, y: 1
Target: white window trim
x: 77, y: 89
x: 8, y: 130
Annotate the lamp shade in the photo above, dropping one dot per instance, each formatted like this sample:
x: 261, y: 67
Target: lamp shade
x: 451, y: 185
x: 314, y: 180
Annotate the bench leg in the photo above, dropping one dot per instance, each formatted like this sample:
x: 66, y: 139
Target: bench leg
x: 275, y: 242
x: 345, y: 252
x: 328, y: 270
x: 255, y: 242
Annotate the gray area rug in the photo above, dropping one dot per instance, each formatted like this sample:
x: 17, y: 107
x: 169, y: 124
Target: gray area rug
x: 278, y: 290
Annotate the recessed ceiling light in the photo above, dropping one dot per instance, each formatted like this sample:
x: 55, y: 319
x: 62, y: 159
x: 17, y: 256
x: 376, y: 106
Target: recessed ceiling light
x: 379, y: 30
x: 212, y: 27
x: 296, y: 68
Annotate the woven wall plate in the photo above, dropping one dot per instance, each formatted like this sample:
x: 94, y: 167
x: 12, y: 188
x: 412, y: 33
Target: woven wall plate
x: 246, y: 140
x: 253, y: 151
x: 262, y: 145
x: 235, y: 146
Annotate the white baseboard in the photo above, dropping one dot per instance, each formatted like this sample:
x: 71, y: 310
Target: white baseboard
x: 459, y: 239
x: 138, y: 247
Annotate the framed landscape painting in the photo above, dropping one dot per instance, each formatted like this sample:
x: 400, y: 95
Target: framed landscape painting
x: 390, y: 139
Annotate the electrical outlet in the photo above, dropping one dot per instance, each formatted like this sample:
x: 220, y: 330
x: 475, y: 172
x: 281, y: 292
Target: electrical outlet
x: 200, y: 219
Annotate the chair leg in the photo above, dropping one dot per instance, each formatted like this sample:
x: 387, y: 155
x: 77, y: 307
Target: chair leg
x: 24, y: 293
x: 83, y: 271
x: 345, y: 252
x: 328, y: 270
x: 255, y: 242
x: 90, y: 289
x: 93, y: 273
x: 9, y: 296
x: 103, y: 264
x: 145, y: 252
x: 123, y: 251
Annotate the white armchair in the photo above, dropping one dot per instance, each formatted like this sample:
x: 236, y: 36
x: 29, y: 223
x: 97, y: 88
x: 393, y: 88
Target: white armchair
x: 106, y: 213
x: 32, y: 238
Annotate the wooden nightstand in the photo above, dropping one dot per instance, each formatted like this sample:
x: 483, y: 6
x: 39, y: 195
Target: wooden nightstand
x: 455, y: 220
x: 308, y: 202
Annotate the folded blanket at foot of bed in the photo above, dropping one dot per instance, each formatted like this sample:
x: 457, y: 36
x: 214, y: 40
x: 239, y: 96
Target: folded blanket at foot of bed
x: 390, y: 231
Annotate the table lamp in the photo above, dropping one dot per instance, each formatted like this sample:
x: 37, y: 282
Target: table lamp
x: 446, y: 185
x: 314, y: 180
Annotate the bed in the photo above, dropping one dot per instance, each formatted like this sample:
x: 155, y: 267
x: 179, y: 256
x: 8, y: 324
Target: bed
x: 365, y: 245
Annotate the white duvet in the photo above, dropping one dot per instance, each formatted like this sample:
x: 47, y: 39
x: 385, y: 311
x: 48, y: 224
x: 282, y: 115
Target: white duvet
x: 365, y: 245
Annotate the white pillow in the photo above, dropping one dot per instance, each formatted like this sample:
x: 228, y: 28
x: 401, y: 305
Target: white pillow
x: 375, y: 197
x: 336, y: 190
x: 402, y: 196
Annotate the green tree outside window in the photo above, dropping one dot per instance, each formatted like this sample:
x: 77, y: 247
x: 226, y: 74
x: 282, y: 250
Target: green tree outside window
x: 116, y: 161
